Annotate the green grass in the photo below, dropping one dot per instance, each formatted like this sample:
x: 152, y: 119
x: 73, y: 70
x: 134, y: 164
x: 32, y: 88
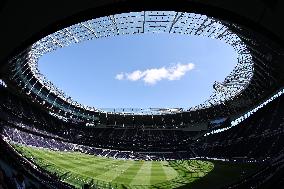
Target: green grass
x: 77, y: 168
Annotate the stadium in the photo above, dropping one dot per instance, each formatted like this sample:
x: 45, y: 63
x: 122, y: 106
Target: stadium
x: 234, y: 139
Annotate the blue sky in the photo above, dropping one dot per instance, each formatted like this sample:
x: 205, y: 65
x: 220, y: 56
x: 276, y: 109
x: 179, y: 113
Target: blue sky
x: 140, y: 71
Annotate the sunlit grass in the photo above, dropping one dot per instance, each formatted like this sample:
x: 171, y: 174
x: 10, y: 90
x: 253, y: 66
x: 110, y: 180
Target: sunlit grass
x: 77, y: 168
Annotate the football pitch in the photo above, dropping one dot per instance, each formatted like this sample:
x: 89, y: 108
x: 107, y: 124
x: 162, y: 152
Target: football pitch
x: 78, y: 169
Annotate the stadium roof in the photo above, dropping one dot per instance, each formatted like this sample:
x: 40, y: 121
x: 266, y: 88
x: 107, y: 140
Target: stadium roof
x: 261, y: 15
x: 254, y: 28
x: 147, y: 22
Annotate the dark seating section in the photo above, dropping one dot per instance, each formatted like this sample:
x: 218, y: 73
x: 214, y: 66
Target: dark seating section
x: 24, y: 116
x: 26, y: 138
x: 259, y: 137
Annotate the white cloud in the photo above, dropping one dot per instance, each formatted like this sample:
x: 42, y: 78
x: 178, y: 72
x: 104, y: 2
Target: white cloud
x: 176, y: 72
x: 152, y: 76
x: 134, y: 76
x: 119, y: 76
